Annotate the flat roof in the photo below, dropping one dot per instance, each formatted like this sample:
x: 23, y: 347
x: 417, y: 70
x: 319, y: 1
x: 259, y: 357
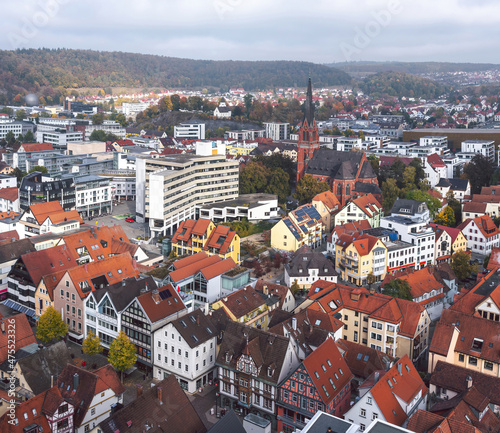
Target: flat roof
x: 244, y: 200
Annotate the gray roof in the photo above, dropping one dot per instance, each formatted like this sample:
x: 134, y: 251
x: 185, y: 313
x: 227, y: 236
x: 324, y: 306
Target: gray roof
x: 305, y: 259
x: 455, y: 184
x: 195, y: 328
x: 407, y: 207
x: 228, y: 423
x: 14, y: 250
x: 40, y: 366
x: 324, y: 421
x: 335, y: 164
x: 122, y: 293
x: 366, y: 188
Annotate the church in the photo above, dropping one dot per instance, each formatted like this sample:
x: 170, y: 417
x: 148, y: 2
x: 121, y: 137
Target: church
x: 349, y: 174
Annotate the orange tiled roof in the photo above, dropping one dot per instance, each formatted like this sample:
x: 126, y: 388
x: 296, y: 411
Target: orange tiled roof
x: 220, y: 239
x: 36, y: 147
x: 171, y: 303
x: 329, y: 199
x: 24, y: 334
x: 218, y: 268
x: 243, y: 301
x: 485, y: 225
x: 193, y: 268
x: 189, y: 260
x: 41, y: 211
x: 368, y: 204
x: 10, y: 194
x: 70, y: 215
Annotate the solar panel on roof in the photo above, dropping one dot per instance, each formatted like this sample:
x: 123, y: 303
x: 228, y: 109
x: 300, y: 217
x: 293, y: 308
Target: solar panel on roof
x: 165, y: 294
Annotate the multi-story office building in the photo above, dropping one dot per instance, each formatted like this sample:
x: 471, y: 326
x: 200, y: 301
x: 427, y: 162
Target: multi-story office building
x: 93, y: 195
x: 59, y: 137
x: 190, y: 131
x: 10, y: 125
x: 171, y: 189
x: 38, y: 188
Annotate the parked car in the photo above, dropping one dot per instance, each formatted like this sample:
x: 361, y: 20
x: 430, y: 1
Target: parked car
x: 130, y: 219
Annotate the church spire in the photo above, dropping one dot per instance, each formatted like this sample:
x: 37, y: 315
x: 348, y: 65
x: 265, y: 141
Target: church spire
x: 309, y: 116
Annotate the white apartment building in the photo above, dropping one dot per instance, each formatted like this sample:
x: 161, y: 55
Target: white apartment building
x: 123, y: 188
x: 484, y: 147
x: 7, y: 181
x: 132, y: 108
x: 277, y: 130
x: 108, y: 126
x: 186, y: 347
x: 172, y: 189
x: 346, y: 144
x: 400, y: 255
x: 190, y: 131
x: 9, y: 125
x: 58, y: 137
x: 432, y: 140
x: 93, y: 195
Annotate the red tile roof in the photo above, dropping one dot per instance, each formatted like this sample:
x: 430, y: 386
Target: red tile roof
x: 191, y: 269
x: 23, y: 333
x: 329, y: 199
x: 326, y: 364
x: 421, y: 281
x: 36, y: 147
x: 218, y: 268
x: 41, y: 211
x: 220, y: 240
x: 10, y: 194
x: 169, y: 305
x: 368, y: 204
x: 242, y: 301
x: 484, y: 223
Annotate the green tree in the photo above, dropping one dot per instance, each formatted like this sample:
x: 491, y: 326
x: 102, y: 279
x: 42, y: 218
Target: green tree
x: 398, y: 289
x: 92, y: 344
x: 28, y: 137
x: 248, y: 100
x: 175, y: 100
x: 455, y: 205
x: 308, y: 187
x: 20, y: 115
x: 370, y: 279
x: 10, y: 138
x: 446, y: 217
x: 390, y: 192
x: 461, y: 266
x: 278, y: 183
x: 479, y: 171
x: 19, y: 174
x: 432, y: 202
x: 294, y: 287
x: 98, y: 118
x: 122, y: 353
x: 98, y: 135
x: 253, y: 178
x: 51, y: 326
x: 419, y: 170
x: 375, y: 163
x: 409, y: 178
x: 39, y: 168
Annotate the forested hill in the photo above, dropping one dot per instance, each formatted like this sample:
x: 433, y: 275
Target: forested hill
x: 32, y: 69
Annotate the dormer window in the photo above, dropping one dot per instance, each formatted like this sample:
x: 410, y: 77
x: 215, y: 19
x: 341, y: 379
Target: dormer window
x: 270, y: 371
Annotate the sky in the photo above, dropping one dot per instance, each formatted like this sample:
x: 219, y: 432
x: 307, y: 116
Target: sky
x: 319, y: 31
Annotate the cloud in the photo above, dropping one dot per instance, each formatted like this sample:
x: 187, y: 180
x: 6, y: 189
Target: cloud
x: 318, y: 31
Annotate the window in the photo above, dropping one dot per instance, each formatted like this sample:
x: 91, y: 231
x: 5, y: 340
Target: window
x: 92, y: 411
x: 488, y: 365
x: 362, y: 413
x: 472, y: 361
x: 374, y: 415
x: 461, y: 357
x: 362, y: 427
x: 368, y: 400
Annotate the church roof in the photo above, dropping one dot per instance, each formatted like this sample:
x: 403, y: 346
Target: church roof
x: 327, y: 162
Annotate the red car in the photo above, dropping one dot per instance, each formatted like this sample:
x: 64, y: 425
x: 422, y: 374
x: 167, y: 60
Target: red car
x: 130, y: 219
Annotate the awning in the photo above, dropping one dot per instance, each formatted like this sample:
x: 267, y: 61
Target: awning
x: 19, y: 307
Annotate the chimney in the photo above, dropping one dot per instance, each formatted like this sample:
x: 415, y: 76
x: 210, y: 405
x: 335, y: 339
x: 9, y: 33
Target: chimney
x: 51, y: 380
x: 159, y: 393
x: 329, y: 430
x: 265, y: 290
x: 400, y: 369
x: 376, y: 376
x: 198, y: 320
x: 139, y: 389
x: 294, y: 323
x: 75, y: 381
x: 156, y: 296
x: 469, y: 382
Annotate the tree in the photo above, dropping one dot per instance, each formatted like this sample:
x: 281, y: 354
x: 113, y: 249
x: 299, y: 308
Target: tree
x: 486, y: 260
x: 390, y: 192
x: 375, y: 163
x: 98, y: 118
x: 432, y: 202
x: 29, y: 137
x: 370, y: 279
x: 92, y: 344
x: 455, y: 205
x: 409, y: 175
x: 479, y: 171
x: 122, y: 353
x: 175, y: 100
x: 253, y: 178
x: 461, y: 266
x: 20, y: 115
x: 10, y: 138
x: 51, y: 326
x: 398, y: 289
x: 247, y: 100
x: 19, y: 174
x: 295, y: 287
x: 419, y: 170
x: 278, y: 183
x: 308, y: 187
x: 39, y: 168
x: 446, y: 217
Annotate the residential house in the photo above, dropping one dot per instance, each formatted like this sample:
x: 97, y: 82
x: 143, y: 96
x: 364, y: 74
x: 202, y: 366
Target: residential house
x: 9, y: 254
x: 357, y: 257
x: 104, y: 307
x: 37, y: 188
x: 302, y: 226
x: 356, y: 227
x: 481, y: 233
x: 222, y: 111
x: 306, y: 267
x: 92, y: 394
x: 322, y: 421
x: 201, y: 280
x: 327, y: 205
x: 393, y: 398
x: 285, y: 295
x: 9, y: 199
x: 460, y: 188
x: 46, y: 412
x: 248, y: 306
x: 466, y: 341
x: 203, y: 235
x: 251, y: 365
x: 37, y: 372
x: 485, y: 203
x: 426, y: 288
x: 41, y: 217
x: 78, y: 281
x: 321, y: 382
x: 164, y: 406
x: 186, y: 347
x: 145, y: 314
x: 449, y: 240
x: 25, y: 276
x: 365, y: 207
x: 10, y: 221
x: 395, y: 326
x: 449, y: 381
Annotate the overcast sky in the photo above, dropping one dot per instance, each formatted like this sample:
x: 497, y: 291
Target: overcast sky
x: 321, y: 31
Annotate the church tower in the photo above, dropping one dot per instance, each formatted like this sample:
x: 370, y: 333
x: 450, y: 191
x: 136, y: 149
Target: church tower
x: 308, y: 135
